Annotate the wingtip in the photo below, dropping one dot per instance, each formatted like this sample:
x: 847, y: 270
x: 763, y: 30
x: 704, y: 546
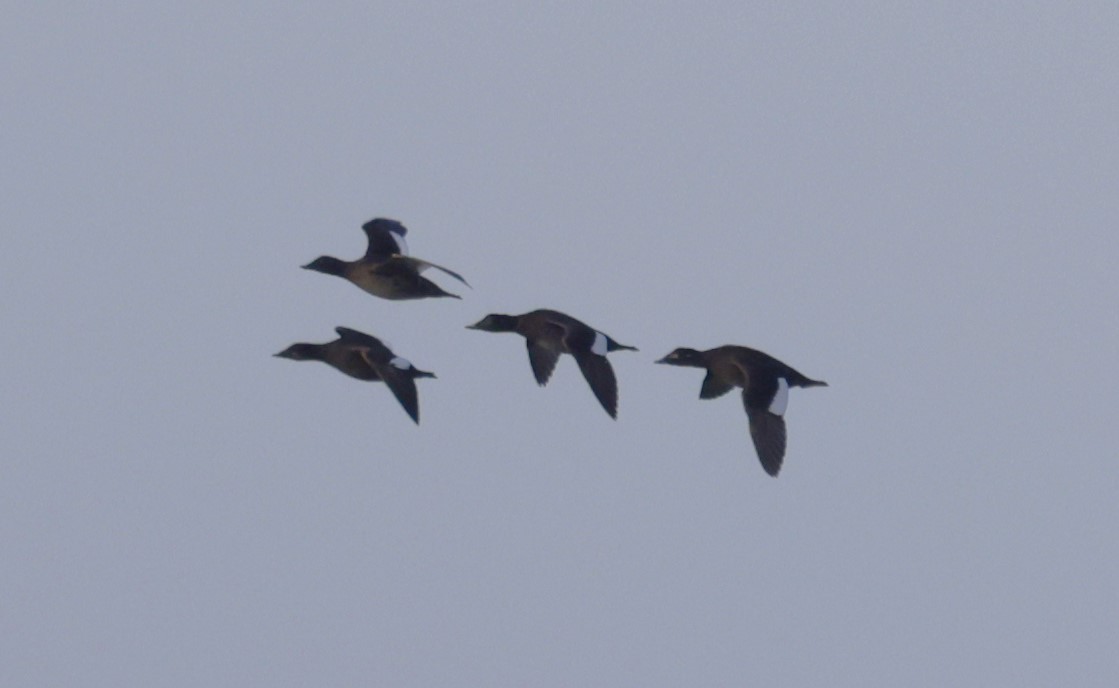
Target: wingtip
x: 772, y: 466
x: 612, y: 412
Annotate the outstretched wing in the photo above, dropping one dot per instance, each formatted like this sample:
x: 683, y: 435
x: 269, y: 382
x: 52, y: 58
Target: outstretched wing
x: 768, y: 432
x: 357, y: 338
x: 421, y: 265
x: 713, y: 387
x: 371, y: 347
x: 402, y: 385
x: 600, y: 376
x: 543, y: 361
x: 386, y: 238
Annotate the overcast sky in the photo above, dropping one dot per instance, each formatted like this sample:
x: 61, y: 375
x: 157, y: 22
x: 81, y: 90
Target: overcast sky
x: 914, y: 202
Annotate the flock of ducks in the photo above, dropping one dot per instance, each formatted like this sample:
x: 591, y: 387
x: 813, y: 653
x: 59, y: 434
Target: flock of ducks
x: 387, y: 271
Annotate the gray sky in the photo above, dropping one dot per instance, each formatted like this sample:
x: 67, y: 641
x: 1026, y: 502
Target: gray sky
x: 915, y: 203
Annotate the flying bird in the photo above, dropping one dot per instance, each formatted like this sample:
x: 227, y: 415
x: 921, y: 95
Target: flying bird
x: 765, y: 383
x: 366, y: 358
x: 551, y: 333
x: 386, y: 270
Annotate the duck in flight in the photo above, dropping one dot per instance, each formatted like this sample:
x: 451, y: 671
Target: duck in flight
x: 386, y: 270
x: 551, y: 333
x: 765, y: 383
x: 366, y: 358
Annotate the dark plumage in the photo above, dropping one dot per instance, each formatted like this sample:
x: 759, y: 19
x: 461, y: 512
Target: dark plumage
x: 551, y: 333
x: 364, y: 357
x: 765, y: 383
x: 386, y: 270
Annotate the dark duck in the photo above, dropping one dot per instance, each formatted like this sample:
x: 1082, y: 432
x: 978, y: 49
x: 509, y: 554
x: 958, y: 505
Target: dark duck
x: 551, y: 333
x: 386, y: 270
x: 765, y: 384
x: 366, y: 358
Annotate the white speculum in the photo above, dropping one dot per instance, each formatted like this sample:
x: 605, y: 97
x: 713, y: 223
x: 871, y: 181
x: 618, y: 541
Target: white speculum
x: 780, y: 399
x: 599, y: 346
x: 401, y: 244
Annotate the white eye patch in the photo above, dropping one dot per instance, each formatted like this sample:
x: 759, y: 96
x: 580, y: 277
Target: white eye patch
x: 599, y: 345
x: 401, y: 363
x: 780, y: 399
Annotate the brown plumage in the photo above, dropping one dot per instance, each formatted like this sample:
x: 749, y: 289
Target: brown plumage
x: 550, y: 333
x: 765, y: 383
x: 386, y: 270
x: 366, y: 358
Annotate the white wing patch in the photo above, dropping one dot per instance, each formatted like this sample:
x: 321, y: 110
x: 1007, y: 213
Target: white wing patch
x: 401, y: 363
x: 401, y: 245
x: 780, y: 399
x: 599, y: 345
